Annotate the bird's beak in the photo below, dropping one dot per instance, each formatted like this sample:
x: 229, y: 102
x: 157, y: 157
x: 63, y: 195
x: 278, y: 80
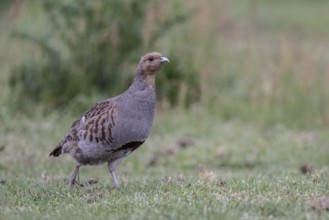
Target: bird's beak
x: 164, y: 59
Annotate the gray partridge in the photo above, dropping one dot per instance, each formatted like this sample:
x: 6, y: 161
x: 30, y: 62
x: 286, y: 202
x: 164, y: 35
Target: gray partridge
x: 115, y: 127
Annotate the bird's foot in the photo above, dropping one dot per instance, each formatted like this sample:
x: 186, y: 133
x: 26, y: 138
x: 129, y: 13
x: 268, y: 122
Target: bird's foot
x: 74, y: 183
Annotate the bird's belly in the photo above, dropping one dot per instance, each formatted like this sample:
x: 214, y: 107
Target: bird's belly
x: 89, y: 153
x: 95, y: 154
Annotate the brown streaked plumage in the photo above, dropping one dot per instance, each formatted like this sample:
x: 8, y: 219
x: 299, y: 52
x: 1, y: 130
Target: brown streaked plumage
x: 115, y: 127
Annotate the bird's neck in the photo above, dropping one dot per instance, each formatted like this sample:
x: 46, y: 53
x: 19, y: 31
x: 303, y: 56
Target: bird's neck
x: 143, y: 80
x: 150, y: 80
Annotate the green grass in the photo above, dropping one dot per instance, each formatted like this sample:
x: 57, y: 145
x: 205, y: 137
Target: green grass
x: 250, y: 199
x: 232, y: 170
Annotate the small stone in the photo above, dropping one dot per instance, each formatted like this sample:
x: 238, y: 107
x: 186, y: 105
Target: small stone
x: 306, y: 168
x: 320, y: 203
x: 185, y: 142
x: 2, y: 181
x: 93, y: 181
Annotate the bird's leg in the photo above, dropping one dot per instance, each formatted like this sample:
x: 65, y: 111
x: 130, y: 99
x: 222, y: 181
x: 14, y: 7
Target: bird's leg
x: 74, y: 175
x: 115, y: 179
x: 112, y: 166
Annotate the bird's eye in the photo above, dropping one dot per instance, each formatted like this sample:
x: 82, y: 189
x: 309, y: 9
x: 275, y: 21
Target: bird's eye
x: 151, y: 59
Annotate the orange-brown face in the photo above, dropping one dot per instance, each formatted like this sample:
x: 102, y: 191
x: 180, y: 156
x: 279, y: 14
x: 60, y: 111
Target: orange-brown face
x: 152, y: 62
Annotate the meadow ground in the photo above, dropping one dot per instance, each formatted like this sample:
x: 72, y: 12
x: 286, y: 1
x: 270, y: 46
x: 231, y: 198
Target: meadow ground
x: 193, y: 166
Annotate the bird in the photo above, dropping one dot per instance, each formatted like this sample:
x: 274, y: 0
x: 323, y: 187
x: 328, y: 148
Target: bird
x: 115, y: 127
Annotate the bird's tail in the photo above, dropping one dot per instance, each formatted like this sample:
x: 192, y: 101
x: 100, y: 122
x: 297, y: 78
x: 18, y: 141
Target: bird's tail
x: 56, y: 152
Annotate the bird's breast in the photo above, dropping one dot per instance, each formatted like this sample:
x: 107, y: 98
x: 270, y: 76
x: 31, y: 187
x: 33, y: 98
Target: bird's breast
x: 134, y: 119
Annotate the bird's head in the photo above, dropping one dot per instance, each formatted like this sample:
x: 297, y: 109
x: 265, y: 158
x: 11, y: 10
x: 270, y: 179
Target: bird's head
x: 151, y: 63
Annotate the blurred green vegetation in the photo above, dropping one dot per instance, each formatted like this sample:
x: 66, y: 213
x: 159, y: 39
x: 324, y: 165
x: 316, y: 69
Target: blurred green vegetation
x: 89, y: 48
x: 260, y: 61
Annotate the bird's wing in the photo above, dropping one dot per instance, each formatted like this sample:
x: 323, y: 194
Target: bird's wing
x: 97, y: 124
